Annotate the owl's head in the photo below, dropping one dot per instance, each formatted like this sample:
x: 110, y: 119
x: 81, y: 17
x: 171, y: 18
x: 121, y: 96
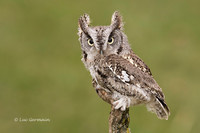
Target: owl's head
x: 102, y: 40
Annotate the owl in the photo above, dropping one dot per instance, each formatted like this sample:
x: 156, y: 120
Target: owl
x: 116, y: 69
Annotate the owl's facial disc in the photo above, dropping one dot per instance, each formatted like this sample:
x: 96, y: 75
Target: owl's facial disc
x: 103, y: 40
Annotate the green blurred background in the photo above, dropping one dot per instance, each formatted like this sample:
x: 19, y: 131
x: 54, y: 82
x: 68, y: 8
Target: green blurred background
x: 42, y: 76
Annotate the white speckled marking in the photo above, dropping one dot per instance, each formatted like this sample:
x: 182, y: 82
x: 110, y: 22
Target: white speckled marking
x: 125, y: 77
x: 138, y: 85
x: 129, y: 59
x: 131, y: 77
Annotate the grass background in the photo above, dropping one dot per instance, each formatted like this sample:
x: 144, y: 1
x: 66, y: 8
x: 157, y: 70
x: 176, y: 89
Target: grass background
x: 42, y: 76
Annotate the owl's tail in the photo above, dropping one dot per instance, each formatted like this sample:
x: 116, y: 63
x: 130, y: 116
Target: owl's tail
x: 159, y: 107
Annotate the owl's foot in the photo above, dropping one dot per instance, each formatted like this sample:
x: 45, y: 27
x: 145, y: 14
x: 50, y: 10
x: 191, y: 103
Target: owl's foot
x: 123, y: 103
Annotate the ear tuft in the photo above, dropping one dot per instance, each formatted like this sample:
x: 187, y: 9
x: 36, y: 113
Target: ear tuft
x: 116, y: 21
x: 84, y: 22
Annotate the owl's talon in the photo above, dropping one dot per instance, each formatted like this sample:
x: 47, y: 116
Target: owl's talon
x: 122, y: 103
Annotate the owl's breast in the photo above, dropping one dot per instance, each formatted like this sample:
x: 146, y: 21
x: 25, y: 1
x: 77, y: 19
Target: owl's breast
x: 93, y: 72
x: 97, y: 71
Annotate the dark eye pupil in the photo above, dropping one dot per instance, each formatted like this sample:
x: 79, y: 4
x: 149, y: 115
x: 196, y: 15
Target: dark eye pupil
x: 91, y: 41
x: 110, y: 40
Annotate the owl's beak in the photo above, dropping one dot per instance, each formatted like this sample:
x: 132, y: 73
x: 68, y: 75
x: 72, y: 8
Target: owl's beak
x: 101, y: 52
x: 101, y: 49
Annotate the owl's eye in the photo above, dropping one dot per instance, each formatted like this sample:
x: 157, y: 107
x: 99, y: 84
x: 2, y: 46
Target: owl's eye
x: 90, y: 42
x: 110, y: 40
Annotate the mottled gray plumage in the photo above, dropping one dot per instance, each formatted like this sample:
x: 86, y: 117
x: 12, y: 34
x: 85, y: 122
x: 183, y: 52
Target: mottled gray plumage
x: 116, y: 69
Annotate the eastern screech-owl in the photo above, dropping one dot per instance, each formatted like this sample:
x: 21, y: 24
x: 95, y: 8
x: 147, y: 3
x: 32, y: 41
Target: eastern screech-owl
x: 115, y: 68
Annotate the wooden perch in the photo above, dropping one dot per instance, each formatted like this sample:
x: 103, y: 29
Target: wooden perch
x: 118, y: 120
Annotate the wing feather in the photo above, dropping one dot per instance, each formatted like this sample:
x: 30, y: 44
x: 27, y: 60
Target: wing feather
x: 121, y: 75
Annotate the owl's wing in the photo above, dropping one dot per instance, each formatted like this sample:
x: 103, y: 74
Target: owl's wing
x: 121, y: 75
